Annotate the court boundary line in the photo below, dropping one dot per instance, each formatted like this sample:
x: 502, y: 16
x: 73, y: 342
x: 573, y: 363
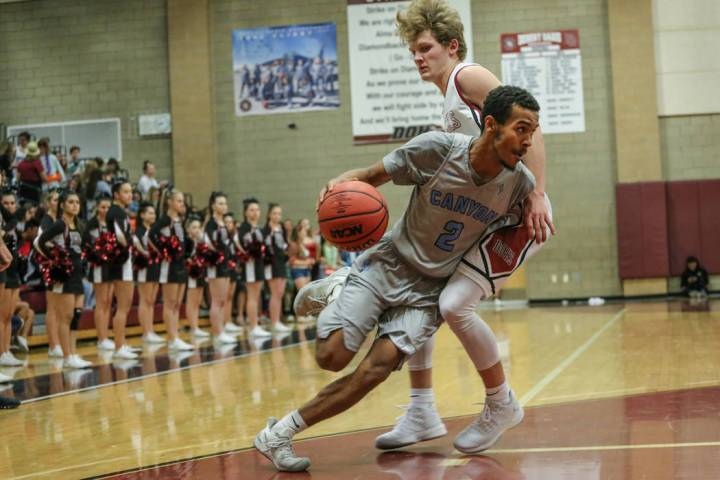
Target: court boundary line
x: 545, y: 381
x: 594, y: 448
x: 166, y: 372
x: 62, y: 469
x: 383, y: 427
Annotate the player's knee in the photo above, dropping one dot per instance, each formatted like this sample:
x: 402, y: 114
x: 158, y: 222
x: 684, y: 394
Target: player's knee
x: 453, y: 312
x: 330, y: 356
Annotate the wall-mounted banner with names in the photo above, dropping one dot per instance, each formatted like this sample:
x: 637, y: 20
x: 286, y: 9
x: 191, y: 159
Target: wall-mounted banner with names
x: 548, y: 65
x: 390, y: 102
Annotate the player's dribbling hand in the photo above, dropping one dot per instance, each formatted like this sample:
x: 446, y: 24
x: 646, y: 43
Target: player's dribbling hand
x: 329, y: 186
x: 5, y: 258
x: 537, y: 217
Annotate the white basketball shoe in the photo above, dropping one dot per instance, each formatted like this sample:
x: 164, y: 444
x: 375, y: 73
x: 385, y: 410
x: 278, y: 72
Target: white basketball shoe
x: 493, y: 421
x: 279, y: 450
x: 316, y: 295
x: 419, y: 423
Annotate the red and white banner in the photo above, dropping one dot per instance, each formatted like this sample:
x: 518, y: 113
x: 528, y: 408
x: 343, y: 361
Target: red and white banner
x: 549, y: 65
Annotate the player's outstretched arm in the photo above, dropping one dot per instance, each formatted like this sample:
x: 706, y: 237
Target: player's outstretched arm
x: 375, y: 175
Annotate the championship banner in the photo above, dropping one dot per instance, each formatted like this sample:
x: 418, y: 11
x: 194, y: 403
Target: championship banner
x: 390, y: 103
x: 548, y: 65
x: 285, y: 69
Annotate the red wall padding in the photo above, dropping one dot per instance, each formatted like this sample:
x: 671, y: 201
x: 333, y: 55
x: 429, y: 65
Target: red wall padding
x: 642, y: 230
x: 694, y: 223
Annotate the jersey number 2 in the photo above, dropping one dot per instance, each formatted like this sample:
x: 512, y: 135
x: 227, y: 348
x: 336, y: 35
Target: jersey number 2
x: 446, y: 241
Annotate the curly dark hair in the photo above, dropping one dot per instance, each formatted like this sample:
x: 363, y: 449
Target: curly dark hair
x: 500, y: 101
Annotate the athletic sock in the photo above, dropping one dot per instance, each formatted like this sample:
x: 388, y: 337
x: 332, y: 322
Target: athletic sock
x: 421, y: 397
x: 501, y: 393
x: 290, y: 424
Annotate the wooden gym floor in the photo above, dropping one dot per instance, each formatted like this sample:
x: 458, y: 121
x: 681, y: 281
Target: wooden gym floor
x: 613, y: 392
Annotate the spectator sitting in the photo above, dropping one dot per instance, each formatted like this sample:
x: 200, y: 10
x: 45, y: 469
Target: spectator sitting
x: 75, y: 165
x: 31, y: 174
x: 21, y: 152
x: 694, y: 279
x: 148, y: 181
x: 53, y: 170
x: 7, y: 159
x: 104, y: 185
x: 113, y: 167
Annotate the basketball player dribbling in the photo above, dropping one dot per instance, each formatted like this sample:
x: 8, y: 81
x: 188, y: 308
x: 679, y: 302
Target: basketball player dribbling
x: 434, y: 33
x: 465, y: 187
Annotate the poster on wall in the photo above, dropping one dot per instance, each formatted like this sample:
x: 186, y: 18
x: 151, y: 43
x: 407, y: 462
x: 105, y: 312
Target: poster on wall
x: 390, y: 103
x: 548, y: 64
x: 285, y: 69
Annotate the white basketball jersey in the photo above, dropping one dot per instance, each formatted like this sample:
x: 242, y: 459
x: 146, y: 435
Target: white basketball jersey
x: 459, y: 114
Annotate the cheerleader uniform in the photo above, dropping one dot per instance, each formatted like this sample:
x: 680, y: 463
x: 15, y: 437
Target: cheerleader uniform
x: 151, y: 273
x: 194, y: 282
x: 252, y: 241
x: 119, y: 223
x: 218, y: 238
x: 171, y: 270
x: 69, y: 239
x: 12, y: 239
x: 3, y: 274
x: 276, y: 250
x: 93, y: 230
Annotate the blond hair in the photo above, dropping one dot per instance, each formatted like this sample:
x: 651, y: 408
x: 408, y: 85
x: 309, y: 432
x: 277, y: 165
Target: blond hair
x: 441, y: 19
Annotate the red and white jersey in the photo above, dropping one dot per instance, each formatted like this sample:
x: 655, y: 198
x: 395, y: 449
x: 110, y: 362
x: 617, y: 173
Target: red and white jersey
x: 460, y: 115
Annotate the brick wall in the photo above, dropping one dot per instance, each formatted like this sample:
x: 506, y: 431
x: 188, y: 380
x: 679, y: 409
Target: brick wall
x: 69, y: 60
x: 690, y: 147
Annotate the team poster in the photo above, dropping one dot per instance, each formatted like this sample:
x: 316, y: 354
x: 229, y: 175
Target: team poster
x: 285, y: 69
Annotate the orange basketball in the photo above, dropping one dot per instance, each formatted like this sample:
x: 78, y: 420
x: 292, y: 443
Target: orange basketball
x: 353, y: 216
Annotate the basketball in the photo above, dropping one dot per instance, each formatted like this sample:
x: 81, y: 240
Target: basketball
x: 353, y: 216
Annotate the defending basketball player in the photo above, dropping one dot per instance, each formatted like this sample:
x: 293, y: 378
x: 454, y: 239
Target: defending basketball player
x: 434, y: 33
x: 465, y: 187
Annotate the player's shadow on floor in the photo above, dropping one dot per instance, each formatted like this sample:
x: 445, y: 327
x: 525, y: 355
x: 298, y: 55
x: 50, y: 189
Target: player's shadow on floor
x: 436, y: 466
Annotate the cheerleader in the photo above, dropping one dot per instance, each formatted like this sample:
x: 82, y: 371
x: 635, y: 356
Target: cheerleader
x: 5, y: 261
x: 235, y: 277
x: 99, y: 273
x: 168, y: 236
x: 276, y: 249
x: 218, y: 276
x: 120, y: 271
x: 50, y: 206
x: 64, y: 294
x: 9, y: 299
x: 252, y: 241
x: 196, y: 276
x: 147, y: 272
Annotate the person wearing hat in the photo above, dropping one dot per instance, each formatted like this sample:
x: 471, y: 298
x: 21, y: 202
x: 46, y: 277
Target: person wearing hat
x: 31, y: 174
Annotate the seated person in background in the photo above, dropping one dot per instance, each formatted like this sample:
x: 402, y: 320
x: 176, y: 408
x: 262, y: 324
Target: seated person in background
x: 694, y: 279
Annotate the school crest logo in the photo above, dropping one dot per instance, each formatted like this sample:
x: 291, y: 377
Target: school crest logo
x: 451, y: 123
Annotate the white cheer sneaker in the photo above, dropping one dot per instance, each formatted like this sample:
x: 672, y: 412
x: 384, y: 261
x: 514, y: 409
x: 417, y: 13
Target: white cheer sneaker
x: 493, y: 421
x: 417, y: 425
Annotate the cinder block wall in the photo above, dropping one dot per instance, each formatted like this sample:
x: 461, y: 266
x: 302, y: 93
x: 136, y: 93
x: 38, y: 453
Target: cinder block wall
x: 690, y: 147
x: 66, y: 60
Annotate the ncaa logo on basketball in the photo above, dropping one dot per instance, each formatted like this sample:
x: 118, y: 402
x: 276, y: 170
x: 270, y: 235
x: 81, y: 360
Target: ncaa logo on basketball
x: 346, y: 231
